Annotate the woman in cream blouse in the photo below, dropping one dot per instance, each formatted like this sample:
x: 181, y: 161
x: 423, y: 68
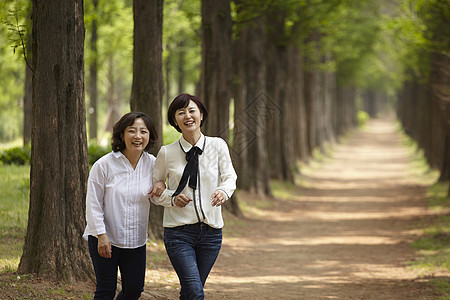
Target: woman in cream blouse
x: 200, y: 177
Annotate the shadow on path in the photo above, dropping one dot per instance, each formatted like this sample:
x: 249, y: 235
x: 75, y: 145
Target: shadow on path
x: 343, y: 234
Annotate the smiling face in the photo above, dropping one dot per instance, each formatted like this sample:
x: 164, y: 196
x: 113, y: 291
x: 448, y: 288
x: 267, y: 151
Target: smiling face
x: 189, y: 118
x: 136, y: 136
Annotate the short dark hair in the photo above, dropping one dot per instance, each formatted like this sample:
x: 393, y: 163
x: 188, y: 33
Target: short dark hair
x: 127, y: 120
x: 182, y: 101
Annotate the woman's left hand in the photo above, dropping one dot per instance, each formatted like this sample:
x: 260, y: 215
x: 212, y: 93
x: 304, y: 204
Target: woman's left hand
x: 218, y: 198
x: 157, y: 189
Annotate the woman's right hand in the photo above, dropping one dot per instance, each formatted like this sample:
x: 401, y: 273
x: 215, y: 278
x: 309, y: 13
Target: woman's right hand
x: 157, y: 189
x: 181, y: 200
x: 104, y: 246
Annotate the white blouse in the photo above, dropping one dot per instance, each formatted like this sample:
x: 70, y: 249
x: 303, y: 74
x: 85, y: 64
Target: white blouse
x: 216, y: 172
x: 117, y: 199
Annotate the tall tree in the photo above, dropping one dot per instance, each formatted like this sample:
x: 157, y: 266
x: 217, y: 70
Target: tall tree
x: 295, y: 95
x: 147, y: 89
x: 311, y: 94
x: 279, y: 131
x: 180, y: 67
x: 242, y: 136
x: 216, y: 65
x: 27, y: 105
x: 114, y: 94
x: 93, y: 75
x: 215, y: 85
x: 251, y: 123
x: 54, y: 247
x: 436, y: 16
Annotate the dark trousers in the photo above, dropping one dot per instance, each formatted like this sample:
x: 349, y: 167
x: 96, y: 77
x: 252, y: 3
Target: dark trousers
x: 193, y: 250
x: 131, y: 263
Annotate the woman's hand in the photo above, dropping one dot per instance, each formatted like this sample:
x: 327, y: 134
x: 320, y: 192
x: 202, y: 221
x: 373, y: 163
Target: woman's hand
x: 218, y: 198
x: 104, y: 246
x: 157, y: 189
x: 181, y: 200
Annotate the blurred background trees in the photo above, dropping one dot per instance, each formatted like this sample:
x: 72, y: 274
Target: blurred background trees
x: 283, y: 79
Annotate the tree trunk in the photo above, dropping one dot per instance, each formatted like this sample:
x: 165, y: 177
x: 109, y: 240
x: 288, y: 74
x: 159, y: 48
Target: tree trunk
x: 279, y: 132
x: 216, y: 74
x: 250, y: 97
x: 437, y: 136
x: 312, y: 103
x: 54, y: 247
x: 329, y: 103
x: 93, y: 72
x: 346, y: 110
x: 242, y: 136
x: 256, y: 109
x: 27, y: 105
x: 319, y: 108
x: 275, y: 53
x: 445, y: 169
x: 296, y: 81
x: 312, y: 94
x: 369, y: 103
x: 113, y: 113
x: 440, y: 87
x: 180, y: 69
x: 167, y: 71
x: 216, y: 65
x: 147, y: 89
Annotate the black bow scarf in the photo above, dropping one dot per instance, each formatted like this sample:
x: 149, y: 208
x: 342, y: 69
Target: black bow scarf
x: 191, y: 169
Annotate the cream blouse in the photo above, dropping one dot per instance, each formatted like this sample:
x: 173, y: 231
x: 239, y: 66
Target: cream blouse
x: 216, y: 172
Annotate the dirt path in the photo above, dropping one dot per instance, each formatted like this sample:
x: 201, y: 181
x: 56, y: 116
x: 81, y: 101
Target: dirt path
x: 342, y: 233
x: 344, y: 236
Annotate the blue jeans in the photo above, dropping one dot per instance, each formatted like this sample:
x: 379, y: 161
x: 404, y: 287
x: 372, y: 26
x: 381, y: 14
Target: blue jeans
x: 132, y: 269
x: 193, y: 250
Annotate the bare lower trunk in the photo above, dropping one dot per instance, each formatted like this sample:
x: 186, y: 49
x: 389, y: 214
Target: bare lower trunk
x: 54, y: 247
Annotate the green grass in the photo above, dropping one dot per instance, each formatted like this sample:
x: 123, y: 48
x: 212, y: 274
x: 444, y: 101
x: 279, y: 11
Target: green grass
x: 14, y: 200
x: 284, y: 190
x: 434, y: 245
x: 419, y: 168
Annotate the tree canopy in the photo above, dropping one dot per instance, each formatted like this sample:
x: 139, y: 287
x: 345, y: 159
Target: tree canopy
x: 373, y: 44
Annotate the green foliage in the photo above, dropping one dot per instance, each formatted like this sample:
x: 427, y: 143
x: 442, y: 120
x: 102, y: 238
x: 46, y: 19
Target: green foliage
x: 371, y: 44
x: 182, y: 44
x: 16, y: 155
x: 95, y: 151
x: 170, y: 135
x: 362, y: 118
x: 114, y: 54
x: 405, y: 41
x: 12, y: 70
x: 435, y: 15
x: 22, y: 155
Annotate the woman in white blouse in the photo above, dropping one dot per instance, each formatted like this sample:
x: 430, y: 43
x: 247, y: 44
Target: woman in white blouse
x: 200, y: 177
x: 117, y: 208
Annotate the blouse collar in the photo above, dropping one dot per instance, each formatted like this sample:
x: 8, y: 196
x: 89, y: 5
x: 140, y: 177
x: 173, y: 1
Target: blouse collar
x: 187, y: 146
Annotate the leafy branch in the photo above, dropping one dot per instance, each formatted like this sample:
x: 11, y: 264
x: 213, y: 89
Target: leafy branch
x: 19, y: 31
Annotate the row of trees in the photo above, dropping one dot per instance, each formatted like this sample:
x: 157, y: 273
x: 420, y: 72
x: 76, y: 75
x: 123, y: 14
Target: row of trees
x: 424, y: 100
x: 296, y: 73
